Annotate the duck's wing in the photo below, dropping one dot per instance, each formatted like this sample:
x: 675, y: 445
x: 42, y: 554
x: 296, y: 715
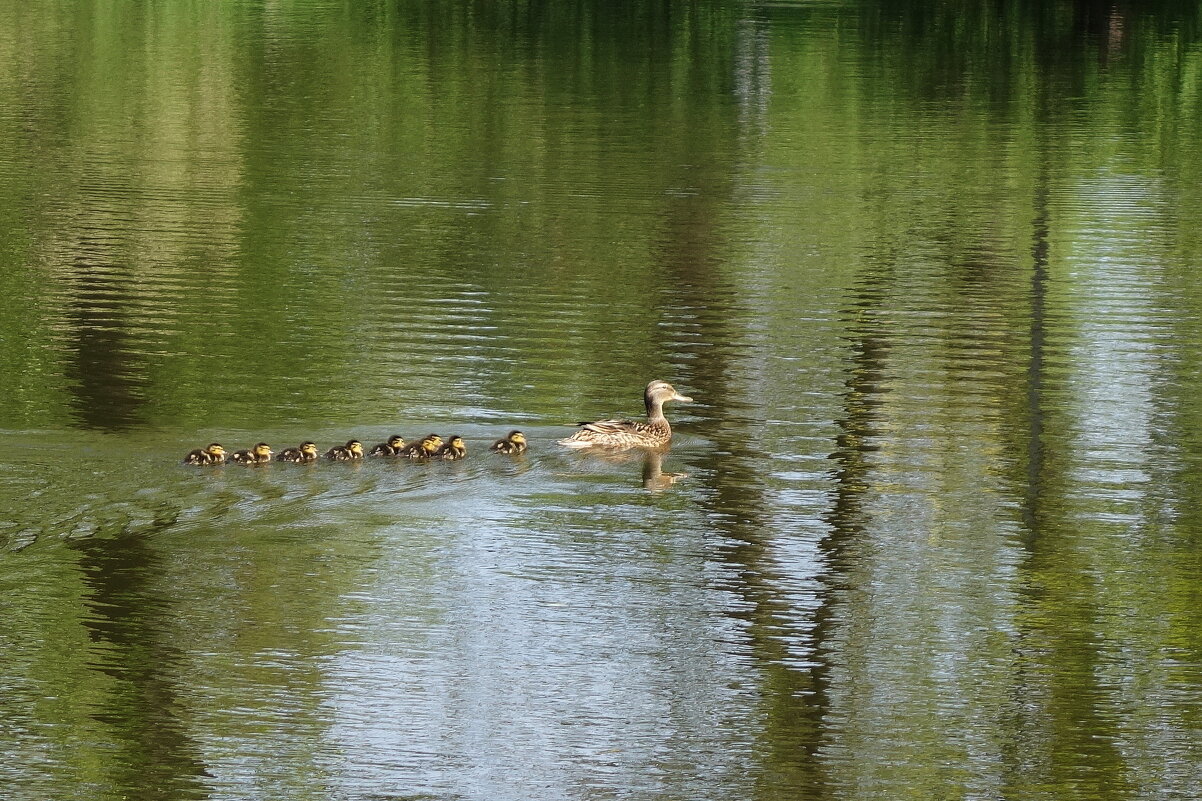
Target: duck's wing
x: 609, y: 427
x: 611, y: 433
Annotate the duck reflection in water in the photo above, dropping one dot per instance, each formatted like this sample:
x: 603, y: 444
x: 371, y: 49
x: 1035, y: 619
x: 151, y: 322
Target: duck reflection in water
x: 654, y: 477
x: 651, y: 460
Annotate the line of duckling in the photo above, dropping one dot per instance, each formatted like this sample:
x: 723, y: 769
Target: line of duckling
x: 430, y: 446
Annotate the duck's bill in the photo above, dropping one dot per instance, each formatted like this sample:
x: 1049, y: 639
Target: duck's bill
x: 683, y: 398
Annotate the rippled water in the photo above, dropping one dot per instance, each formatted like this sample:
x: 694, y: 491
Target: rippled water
x: 928, y: 270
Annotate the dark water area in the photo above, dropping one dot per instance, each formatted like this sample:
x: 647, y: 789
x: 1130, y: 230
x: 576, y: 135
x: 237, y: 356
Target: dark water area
x: 930, y: 272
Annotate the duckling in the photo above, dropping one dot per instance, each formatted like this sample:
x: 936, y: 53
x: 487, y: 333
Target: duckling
x: 212, y: 453
x: 390, y: 448
x: 349, y: 452
x: 305, y: 452
x: 622, y: 434
x: 424, y: 448
x: 455, y: 449
x: 514, y: 442
x: 256, y: 455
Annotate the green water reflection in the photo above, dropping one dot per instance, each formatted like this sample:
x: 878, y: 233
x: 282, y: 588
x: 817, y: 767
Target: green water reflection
x: 930, y: 530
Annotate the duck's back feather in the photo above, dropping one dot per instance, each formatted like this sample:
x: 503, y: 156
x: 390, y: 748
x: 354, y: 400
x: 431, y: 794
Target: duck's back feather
x: 613, y: 426
x: 619, y: 434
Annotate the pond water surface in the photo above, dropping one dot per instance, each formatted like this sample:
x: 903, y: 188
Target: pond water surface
x: 932, y: 528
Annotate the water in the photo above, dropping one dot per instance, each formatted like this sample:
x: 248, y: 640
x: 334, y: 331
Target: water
x: 928, y: 270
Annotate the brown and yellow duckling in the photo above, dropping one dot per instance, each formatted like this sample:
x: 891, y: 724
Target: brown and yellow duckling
x: 621, y: 434
x: 424, y: 448
x: 305, y: 452
x: 454, y: 449
x: 349, y: 452
x: 513, y: 442
x: 212, y: 453
x: 257, y: 455
x: 390, y: 448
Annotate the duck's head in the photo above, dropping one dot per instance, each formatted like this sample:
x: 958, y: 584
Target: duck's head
x: 262, y: 451
x: 396, y: 441
x: 457, y: 443
x: 355, y: 447
x: 431, y: 443
x: 215, y: 449
x: 309, y: 449
x: 516, y: 437
x: 659, y: 392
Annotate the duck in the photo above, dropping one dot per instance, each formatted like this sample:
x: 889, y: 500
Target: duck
x: 426, y: 447
x: 621, y: 434
x: 256, y: 455
x: 513, y: 442
x: 390, y: 448
x: 454, y: 449
x: 305, y: 452
x: 349, y: 452
x: 212, y: 453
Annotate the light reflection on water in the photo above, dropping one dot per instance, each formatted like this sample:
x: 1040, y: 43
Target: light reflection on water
x: 466, y: 594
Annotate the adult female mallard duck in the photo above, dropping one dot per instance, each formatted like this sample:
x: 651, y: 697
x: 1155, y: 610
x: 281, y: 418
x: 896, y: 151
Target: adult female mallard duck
x: 455, y: 449
x: 514, y: 442
x: 212, y: 453
x: 426, y: 447
x: 352, y: 450
x: 654, y: 433
x: 390, y: 448
x: 305, y: 452
x: 256, y: 455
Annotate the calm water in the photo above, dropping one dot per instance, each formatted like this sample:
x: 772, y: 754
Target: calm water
x: 933, y: 528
